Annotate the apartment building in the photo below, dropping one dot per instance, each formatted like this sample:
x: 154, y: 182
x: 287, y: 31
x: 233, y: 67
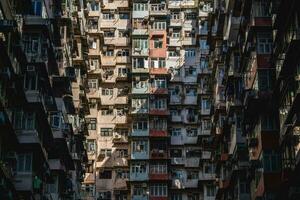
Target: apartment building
x: 42, y: 100
x: 255, y: 115
x: 150, y: 100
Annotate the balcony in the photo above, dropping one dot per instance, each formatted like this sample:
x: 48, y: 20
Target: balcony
x: 191, y: 119
x: 190, y: 100
x: 155, y: 90
x: 174, y: 62
x: 159, y: 154
x: 173, y: 4
x: 176, y: 99
x: 140, y: 197
x: 121, y: 119
x: 105, y: 23
x: 143, y: 90
x: 175, y: 42
x: 116, y: 41
x: 140, y: 155
x: 116, y: 4
x: 140, y: 31
x: 191, y: 183
x: 24, y: 181
x: 140, y: 70
x: 176, y: 22
x: 158, y: 53
x: 158, y: 133
x: 108, y: 60
x: 158, y: 9
x: 189, y: 41
x: 32, y: 20
x: 123, y: 59
x: 159, y: 112
x: 177, y: 161
x: 139, y: 132
x: 159, y: 176
x: 117, y: 138
x: 159, y: 71
x: 192, y: 162
x: 139, y: 176
x: 207, y: 176
x: 140, y: 14
x: 140, y: 52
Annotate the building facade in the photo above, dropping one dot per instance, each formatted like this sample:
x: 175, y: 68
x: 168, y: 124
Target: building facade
x: 42, y: 99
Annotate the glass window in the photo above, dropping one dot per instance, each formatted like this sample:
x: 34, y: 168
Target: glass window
x: 24, y: 162
x: 105, y: 132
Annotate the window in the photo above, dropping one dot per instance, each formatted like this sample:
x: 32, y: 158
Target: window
x: 206, y: 125
x: 158, y: 190
x: 268, y: 123
x: 176, y: 196
x: 191, y: 132
x: 140, y: 146
x: 158, y: 62
x: 193, y: 197
x: 140, y: 63
x: 158, y: 43
x: 123, y: 52
x: 24, y: 162
x: 191, y: 71
x: 140, y: 103
x: 244, y: 188
x: 265, y: 79
x: 176, y: 132
x: 37, y: 7
x: 109, y: 52
x: 92, y: 43
x: 175, y: 15
x: 24, y: 120
x: 104, y: 195
x: 176, y: 153
x: 159, y: 25
x: 190, y: 153
x: 107, y: 111
x: 210, y: 190
x: 208, y: 169
x: 122, y: 153
x: 138, y: 168
x: 174, y: 53
x: 108, y: 16
x: 55, y: 120
x: 105, y: 132
x: 93, y: 83
x: 140, y: 43
x: 31, y: 81
x: 105, y: 152
x: 203, y: 44
x: 191, y: 92
x: 176, y: 34
x: 190, y: 53
x: 260, y: 9
x: 159, y: 104
x: 159, y: 168
x: 140, y: 7
x: 205, y: 104
x: 140, y: 84
x: 92, y: 23
x: 91, y: 123
x: 140, y: 125
x: 203, y: 63
x: 158, y: 124
x: 124, y: 15
x: 264, y: 43
x: 192, y: 174
x: 122, y: 174
x: 159, y: 83
x: 94, y: 64
x: 109, y: 34
x: 93, y: 6
x: 107, y: 91
x: 271, y: 161
x: 91, y: 146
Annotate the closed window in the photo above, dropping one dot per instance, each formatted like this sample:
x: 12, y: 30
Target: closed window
x: 139, y: 167
x: 190, y: 53
x: 158, y: 190
x: 140, y: 125
x: 93, y: 83
x: 140, y: 7
x: 24, y: 162
x: 108, y: 16
x: 158, y: 43
x: 105, y: 132
x: 264, y: 43
x: 107, y: 91
x: 91, y: 123
x: 176, y: 132
x: 140, y: 146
